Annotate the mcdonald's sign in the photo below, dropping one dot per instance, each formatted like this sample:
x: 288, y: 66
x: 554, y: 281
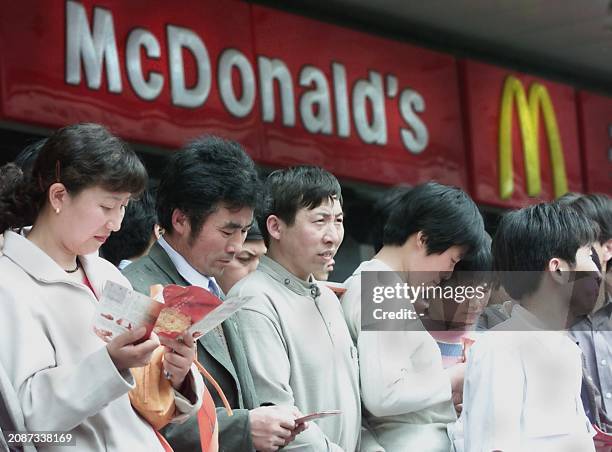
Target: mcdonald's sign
x: 522, y: 132
x: 595, y: 118
x: 529, y: 108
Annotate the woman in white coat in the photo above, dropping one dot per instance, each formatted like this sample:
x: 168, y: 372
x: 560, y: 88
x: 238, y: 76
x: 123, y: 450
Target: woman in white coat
x: 67, y: 379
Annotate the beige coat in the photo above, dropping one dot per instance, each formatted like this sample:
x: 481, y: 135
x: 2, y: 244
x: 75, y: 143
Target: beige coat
x: 61, y: 371
x: 300, y: 353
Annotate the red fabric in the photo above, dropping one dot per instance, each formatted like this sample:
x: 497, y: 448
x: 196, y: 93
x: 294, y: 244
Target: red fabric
x: 207, y: 421
x: 163, y: 441
x: 88, y: 284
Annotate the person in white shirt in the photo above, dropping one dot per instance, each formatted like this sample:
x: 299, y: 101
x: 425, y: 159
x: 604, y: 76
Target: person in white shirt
x: 406, y: 393
x: 522, y: 384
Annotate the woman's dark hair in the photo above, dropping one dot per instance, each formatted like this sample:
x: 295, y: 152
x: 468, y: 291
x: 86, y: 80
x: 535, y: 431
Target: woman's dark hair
x: 446, y: 215
x: 28, y: 155
x: 291, y: 189
x: 78, y: 156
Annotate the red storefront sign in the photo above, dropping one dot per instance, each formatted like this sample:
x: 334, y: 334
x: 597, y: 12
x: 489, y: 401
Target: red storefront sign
x: 292, y: 90
x: 147, y: 69
x: 388, y: 112
x: 595, y: 118
x: 523, y: 136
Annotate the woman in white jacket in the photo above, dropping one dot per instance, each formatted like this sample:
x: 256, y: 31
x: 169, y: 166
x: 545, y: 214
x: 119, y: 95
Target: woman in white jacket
x: 67, y: 379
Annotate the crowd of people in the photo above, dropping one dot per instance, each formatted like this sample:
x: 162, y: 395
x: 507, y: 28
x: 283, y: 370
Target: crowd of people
x: 522, y: 364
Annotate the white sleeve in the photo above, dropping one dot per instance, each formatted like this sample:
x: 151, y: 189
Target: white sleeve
x: 401, y: 372
x: 53, y: 397
x: 184, y: 407
x: 493, y: 397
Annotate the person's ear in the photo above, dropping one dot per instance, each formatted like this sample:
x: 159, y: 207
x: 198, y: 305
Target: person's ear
x: 57, y: 196
x: 158, y: 231
x: 421, y: 240
x: 180, y: 223
x: 559, y: 270
x: 275, y: 226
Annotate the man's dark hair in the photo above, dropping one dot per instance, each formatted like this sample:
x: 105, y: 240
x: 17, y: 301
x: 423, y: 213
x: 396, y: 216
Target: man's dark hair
x: 136, y: 231
x: 254, y: 233
x: 527, y: 239
x: 204, y: 174
x: 476, y: 267
x: 446, y: 215
x: 597, y: 207
x: 381, y: 212
x: 291, y: 189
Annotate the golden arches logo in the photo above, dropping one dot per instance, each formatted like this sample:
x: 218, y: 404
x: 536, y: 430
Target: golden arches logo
x: 529, y: 108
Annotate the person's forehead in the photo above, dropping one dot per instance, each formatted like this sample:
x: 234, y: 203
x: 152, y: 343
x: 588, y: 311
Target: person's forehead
x: 102, y: 193
x: 326, y: 207
x: 238, y: 218
x: 456, y: 250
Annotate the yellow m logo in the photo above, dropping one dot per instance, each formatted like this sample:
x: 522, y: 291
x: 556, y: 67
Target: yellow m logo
x: 529, y: 119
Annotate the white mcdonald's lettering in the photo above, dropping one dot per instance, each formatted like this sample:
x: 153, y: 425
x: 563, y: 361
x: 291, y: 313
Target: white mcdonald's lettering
x: 95, y: 49
x: 529, y: 122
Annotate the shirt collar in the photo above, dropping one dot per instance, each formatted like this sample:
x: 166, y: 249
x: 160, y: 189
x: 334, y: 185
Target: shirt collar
x: 523, y: 317
x: 191, y: 275
x: 279, y: 273
x: 124, y: 263
x: 602, y: 319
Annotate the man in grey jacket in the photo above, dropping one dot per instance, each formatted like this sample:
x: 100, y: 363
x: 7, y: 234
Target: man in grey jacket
x: 205, y: 203
x: 298, y: 346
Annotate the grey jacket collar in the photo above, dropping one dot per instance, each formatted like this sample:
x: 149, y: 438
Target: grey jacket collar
x: 289, y: 280
x: 163, y: 261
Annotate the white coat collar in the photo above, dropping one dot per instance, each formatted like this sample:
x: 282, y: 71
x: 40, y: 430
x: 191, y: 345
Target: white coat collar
x: 40, y: 266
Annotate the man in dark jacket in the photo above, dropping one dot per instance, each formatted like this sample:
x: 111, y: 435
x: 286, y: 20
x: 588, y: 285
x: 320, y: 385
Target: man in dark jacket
x: 205, y: 203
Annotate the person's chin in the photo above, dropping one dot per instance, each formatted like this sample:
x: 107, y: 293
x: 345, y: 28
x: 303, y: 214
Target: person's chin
x: 216, y: 271
x: 86, y: 251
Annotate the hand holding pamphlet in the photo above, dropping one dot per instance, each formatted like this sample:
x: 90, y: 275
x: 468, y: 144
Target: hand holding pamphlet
x: 317, y: 415
x: 173, y: 311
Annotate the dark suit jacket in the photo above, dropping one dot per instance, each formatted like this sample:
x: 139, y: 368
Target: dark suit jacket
x: 231, y: 371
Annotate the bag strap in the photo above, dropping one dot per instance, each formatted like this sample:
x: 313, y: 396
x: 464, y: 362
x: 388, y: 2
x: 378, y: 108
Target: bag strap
x: 215, y: 385
x: 164, y: 442
x: 207, y: 424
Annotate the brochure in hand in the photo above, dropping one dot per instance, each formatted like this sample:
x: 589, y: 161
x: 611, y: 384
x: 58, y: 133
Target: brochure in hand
x: 173, y: 311
x: 317, y: 415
